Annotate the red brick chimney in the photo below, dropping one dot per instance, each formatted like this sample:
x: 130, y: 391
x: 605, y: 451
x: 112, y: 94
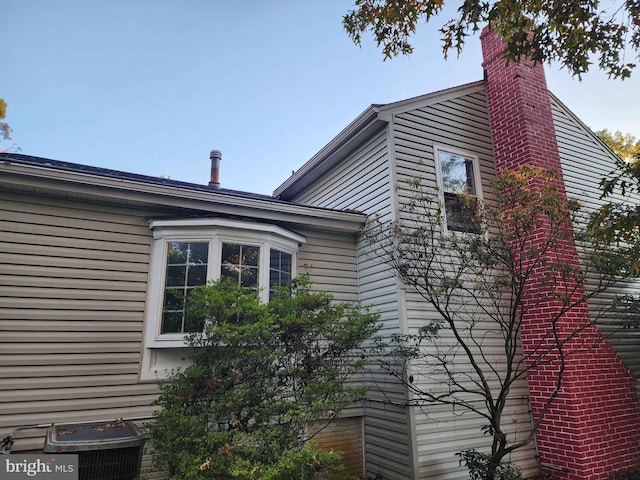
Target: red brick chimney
x: 593, y: 427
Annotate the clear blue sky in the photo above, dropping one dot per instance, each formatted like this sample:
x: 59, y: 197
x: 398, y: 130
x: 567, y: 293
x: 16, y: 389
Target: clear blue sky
x: 151, y: 86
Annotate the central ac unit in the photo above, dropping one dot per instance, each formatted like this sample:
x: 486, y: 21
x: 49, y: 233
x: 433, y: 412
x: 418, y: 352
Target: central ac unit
x: 106, y: 450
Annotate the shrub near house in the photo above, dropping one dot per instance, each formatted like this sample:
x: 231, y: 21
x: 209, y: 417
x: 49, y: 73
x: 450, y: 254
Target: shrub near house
x: 264, y: 379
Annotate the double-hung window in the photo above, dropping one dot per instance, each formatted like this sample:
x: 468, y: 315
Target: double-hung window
x: 459, y: 183
x: 187, y: 254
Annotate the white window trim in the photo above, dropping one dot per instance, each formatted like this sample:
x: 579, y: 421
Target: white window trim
x: 215, y: 231
x: 475, y: 161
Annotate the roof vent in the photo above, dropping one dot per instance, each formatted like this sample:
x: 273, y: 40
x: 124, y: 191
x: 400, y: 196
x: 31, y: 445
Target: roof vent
x: 216, y: 157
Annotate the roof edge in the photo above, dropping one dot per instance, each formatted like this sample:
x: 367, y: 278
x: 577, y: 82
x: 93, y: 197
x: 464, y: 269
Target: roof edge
x: 49, y: 180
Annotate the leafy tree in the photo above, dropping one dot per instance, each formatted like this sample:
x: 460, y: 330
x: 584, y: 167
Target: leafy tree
x: 479, y: 290
x: 625, y: 145
x: 263, y: 380
x: 5, y: 131
x: 616, y: 223
x: 572, y: 33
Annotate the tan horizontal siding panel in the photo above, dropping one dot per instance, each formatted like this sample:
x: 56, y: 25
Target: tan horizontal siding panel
x: 126, y: 325
x: 76, y: 304
x: 338, y: 262
x: 70, y: 348
x: 374, y: 180
x: 474, y: 105
x: 338, y: 291
x: 75, y: 243
x: 433, y: 128
x: 70, y: 378
x: 77, y: 413
x: 60, y: 295
x: 25, y: 313
x: 75, y: 373
x: 69, y: 219
x: 469, y: 122
x: 28, y: 246
x: 340, y: 245
x: 81, y: 404
x: 69, y: 228
x: 68, y: 208
x: 94, y: 267
x: 64, y: 235
x: 70, y: 359
x: 56, y: 272
x: 43, y: 283
x: 78, y: 393
x: 69, y: 336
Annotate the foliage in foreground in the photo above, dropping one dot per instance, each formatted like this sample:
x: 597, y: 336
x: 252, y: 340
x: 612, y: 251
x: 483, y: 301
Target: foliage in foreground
x: 572, y: 33
x: 629, y: 475
x: 616, y: 223
x: 263, y: 380
x: 5, y: 130
x: 478, y: 464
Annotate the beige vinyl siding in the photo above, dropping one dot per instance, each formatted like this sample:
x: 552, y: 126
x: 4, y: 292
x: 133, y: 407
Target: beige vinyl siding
x: 363, y: 182
x: 330, y: 261
x: 73, y: 283
x: 585, y: 162
x: 460, y: 124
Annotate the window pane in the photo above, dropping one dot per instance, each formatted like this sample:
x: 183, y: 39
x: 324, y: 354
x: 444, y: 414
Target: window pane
x: 175, y: 276
x: 279, y: 270
x: 230, y: 253
x: 173, y: 299
x: 249, y: 277
x: 240, y: 262
x: 186, y: 269
x: 250, y: 256
x: 461, y: 213
x: 177, y: 253
x: 197, y: 275
x: 199, y: 253
x: 457, y: 174
x: 274, y: 278
x: 458, y: 182
x: 230, y: 271
x: 172, y: 322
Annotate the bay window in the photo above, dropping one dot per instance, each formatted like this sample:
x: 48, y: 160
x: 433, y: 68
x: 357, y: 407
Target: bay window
x: 188, y: 253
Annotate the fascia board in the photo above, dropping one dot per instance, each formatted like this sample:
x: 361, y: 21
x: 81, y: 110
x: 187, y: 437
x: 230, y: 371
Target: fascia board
x: 74, y: 185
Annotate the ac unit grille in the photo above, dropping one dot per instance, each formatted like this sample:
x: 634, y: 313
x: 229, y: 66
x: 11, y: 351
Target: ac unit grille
x: 112, y: 464
x: 106, y: 450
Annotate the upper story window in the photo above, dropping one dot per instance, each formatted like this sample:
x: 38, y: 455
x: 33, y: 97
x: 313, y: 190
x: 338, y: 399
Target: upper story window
x: 459, y: 182
x: 189, y: 253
